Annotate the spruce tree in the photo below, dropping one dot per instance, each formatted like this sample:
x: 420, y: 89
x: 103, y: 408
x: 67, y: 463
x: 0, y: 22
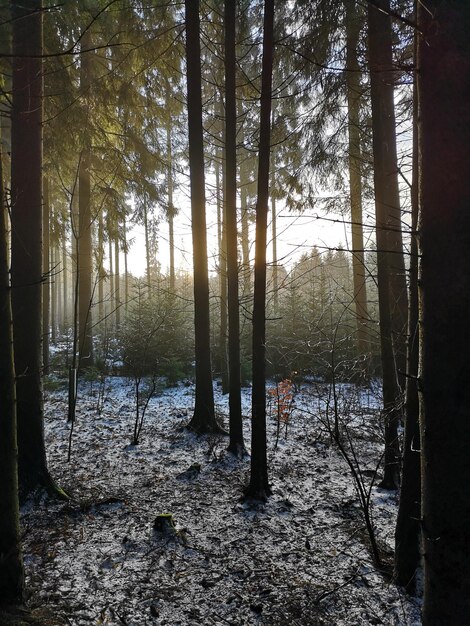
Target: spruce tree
x: 444, y: 137
x: 259, y: 483
x: 203, y: 419
x: 26, y: 248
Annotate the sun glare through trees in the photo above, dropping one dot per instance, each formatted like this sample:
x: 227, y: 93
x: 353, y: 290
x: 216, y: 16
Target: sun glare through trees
x: 234, y: 291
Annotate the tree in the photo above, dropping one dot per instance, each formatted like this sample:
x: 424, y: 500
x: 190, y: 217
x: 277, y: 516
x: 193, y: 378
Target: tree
x: 390, y: 264
x: 46, y: 268
x: 11, y: 563
x: 354, y: 92
x: 408, y: 530
x: 85, y: 218
x: 259, y: 484
x: 444, y: 137
x: 236, y: 427
x: 26, y: 251
x: 171, y: 207
x: 221, y: 201
x: 203, y: 419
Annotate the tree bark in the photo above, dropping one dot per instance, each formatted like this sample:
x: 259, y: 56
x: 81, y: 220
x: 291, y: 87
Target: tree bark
x: 259, y: 484
x: 57, y: 284
x: 126, y: 269
x: 236, y: 444
x: 203, y: 419
x: 245, y: 229
x: 222, y: 244
x: 26, y: 249
x: 111, y: 298
x: 171, y: 209
x: 382, y: 72
x: 85, y: 219
x: 147, y: 249
x: 11, y: 562
x: 46, y: 270
x: 65, y: 284
x: 354, y: 92
x: 117, y: 281
x: 408, y: 530
x: 100, y: 269
x: 54, y: 292
x: 275, y: 267
x: 390, y: 265
x: 444, y: 139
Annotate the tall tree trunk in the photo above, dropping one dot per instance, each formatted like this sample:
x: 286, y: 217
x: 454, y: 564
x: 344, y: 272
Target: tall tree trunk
x: 126, y: 269
x: 111, y: 273
x: 236, y: 444
x: 171, y: 209
x: 46, y: 270
x: 11, y: 562
x: 246, y: 271
x: 275, y: 267
x: 85, y: 256
x: 408, y: 530
x: 222, y: 244
x: 171, y: 242
x: 65, y: 284
x: 101, y: 272
x: 5, y: 129
x: 74, y: 265
x: 444, y: 139
x: 259, y: 484
x: 354, y: 91
x: 54, y: 290
x: 390, y: 266
x: 57, y: 285
x: 203, y: 419
x: 26, y: 250
x: 382, y: 78
x: 245, y: 234
x: 117, y: 282
x: 147, y: 248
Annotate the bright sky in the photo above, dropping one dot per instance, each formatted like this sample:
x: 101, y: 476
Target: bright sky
x: 296, y: 234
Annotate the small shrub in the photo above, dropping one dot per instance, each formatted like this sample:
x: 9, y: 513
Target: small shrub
x: 283, y: 401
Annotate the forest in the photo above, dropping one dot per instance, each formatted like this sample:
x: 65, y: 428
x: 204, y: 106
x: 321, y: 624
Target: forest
x: 234, y: 295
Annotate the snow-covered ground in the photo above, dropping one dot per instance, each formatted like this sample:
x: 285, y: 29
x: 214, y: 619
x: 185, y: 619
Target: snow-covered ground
x: 301, y: 558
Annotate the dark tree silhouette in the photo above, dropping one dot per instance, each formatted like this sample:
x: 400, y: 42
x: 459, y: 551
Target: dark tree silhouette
x: 354, y: 92
x: 408, y: 531
x: 11, y: 563
x: 46, y: 268
x: 85, y: 219
x: 26, y: 250
x: 444, y: 138
x: 390, y: 264
x: 203, y: 419
x: 236, y: 427
x: 259, y: 483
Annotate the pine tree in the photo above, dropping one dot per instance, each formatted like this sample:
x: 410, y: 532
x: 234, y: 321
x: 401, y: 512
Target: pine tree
x: 390, y: 263
x: 408, y: 530
x: 354, y: 92
x: 46, y: 269
x: 259, y: 483
x: 236, y: 427
x: 85, y: 215
x: 26, y: 250
x: 203, y: 419
x: 11, y: 563
x: 444, y: 137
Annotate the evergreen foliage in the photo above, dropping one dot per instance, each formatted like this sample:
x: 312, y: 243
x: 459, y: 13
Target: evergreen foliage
x: 116, y: 116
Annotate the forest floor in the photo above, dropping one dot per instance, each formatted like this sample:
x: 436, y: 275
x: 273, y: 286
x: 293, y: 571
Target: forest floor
x: 300, y: 558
